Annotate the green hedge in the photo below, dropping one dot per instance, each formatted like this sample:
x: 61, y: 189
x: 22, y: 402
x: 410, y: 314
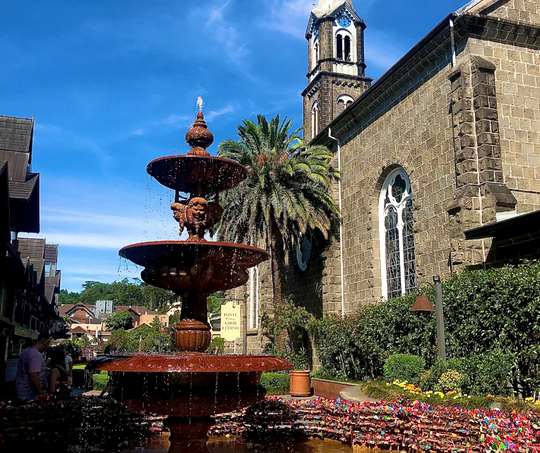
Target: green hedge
x: 484, y: 311
x: 100, y: 380
x: 276, y: 383
x: 403, y: 367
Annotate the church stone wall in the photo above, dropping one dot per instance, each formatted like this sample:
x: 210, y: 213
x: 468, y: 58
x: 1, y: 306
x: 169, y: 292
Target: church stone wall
x: 517, y: 81
x: 411, y: 130
x: 516, y: 10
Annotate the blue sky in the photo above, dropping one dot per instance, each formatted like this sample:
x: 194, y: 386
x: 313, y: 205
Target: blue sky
x: 113, y: 85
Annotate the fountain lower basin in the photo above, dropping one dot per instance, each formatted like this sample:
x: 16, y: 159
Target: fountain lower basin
x: 190, y: 384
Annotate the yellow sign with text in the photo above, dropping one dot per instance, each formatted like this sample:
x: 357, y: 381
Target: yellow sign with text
x: 230, y: 321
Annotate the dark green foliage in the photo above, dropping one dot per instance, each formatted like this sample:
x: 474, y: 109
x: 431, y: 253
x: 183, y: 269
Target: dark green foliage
x: 276, y: 383
x: 219, y: 343
x: 214, y: 302
x: 287, y: 331
x: 403, y: 367
x: 121, y: 293
x: 144, y: 338
x: 484, y: 311
x: 483, y: 374
x: 100, y: 380
x: 119, y: 320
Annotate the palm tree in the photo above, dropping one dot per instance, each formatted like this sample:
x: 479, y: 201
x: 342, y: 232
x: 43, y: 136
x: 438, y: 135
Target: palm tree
x: 285, y: 194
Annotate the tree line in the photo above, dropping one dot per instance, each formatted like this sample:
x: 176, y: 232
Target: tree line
x: 124, y: 292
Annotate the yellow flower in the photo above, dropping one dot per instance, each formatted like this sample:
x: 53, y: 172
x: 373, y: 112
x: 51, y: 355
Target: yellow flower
x: 451, y: 392
x: 528, y: 399
x: 537, y: 402
x: 490, y: 396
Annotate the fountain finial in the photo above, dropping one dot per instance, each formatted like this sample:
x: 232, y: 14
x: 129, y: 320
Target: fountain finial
x: 199, y: 137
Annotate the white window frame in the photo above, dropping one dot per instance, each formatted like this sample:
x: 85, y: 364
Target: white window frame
x: 315, y: 119
x: 383, y: 209
x: 254, y: 298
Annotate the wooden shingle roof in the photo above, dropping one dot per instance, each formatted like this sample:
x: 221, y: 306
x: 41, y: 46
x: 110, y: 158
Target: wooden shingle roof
x: 31, y: 248
x: 16, y: 134
x: 22, y: 190
x: 51, y: 253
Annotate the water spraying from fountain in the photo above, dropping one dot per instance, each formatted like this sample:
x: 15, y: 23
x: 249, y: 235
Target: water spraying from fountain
x: 191, y: 386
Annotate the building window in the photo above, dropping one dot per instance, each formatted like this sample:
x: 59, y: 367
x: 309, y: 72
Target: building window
x: 398, y: 265
x: 343, y: 45
x: 315, y: 55
x: 315, y: 118
x: 343, y: 102
x: 254, y: 298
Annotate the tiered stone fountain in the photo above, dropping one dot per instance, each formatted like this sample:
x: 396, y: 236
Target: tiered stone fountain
x: 191, y: 386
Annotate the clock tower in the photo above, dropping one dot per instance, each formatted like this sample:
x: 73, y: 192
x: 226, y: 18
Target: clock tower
x: 336, y: 66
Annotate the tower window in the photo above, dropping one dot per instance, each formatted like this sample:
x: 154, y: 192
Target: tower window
x: 398, y: 263
x: 315, y: 119
x: 343, y: 45
x: 343, y: 102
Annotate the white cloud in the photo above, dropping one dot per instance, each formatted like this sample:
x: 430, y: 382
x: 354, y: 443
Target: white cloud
x: 291, y: 16
x: 71, y: 140
x: 224, y: 32
x: 215, y: 113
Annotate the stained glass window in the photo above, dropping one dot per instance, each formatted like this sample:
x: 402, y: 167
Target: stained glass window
x: 397, y: 235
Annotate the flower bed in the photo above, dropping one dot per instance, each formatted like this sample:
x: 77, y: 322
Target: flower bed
x: 409, y: 426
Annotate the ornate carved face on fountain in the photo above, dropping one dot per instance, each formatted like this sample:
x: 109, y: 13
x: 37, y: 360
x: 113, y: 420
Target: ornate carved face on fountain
x: 198, y: 216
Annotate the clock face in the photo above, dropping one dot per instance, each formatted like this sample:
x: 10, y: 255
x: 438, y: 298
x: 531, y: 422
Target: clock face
x: 344, y: 20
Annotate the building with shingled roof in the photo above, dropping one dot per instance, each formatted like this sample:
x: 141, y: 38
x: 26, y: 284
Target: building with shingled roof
x: 29, y: 278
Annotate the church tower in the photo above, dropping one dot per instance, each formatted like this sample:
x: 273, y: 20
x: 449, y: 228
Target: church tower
x: 336, y: 66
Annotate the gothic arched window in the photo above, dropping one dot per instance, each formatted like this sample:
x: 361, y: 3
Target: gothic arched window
x: 315, y: 56
x: 398, y: 264
x: 343, y: 45
x: 315, y: 118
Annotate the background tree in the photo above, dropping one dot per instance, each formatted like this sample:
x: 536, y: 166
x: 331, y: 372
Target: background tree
x: 285, y: 194
x: 121, y: 293
x: 119, y: 320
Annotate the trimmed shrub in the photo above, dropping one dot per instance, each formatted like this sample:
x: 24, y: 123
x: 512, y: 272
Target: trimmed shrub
x: 450, y: 381
x: 484, y: 311
x: 275, y: 383
x: 100, y: 380
x: 403, y: 367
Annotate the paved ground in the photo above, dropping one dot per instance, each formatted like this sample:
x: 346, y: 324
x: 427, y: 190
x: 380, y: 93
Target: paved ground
x: 353, y: 393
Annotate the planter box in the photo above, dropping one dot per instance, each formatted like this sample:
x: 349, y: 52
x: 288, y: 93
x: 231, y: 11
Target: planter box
x: 328, y: 389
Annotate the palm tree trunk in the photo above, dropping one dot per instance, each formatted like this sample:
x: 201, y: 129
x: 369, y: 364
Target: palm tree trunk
x: 277, y: 261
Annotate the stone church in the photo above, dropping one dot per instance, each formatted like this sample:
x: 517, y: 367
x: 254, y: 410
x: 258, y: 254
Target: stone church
x: 439, y: 157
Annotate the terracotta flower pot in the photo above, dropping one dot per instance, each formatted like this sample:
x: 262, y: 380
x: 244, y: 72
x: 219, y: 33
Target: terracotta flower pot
x: 300, y: 383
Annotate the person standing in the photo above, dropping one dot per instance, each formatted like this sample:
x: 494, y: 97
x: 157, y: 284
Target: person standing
x: 58, y: 372
x: 69, y: 367
x: 31, y: 379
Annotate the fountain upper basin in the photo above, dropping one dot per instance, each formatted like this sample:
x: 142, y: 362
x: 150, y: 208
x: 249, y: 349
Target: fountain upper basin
x: 198, y: 266
x: 189, y: 173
